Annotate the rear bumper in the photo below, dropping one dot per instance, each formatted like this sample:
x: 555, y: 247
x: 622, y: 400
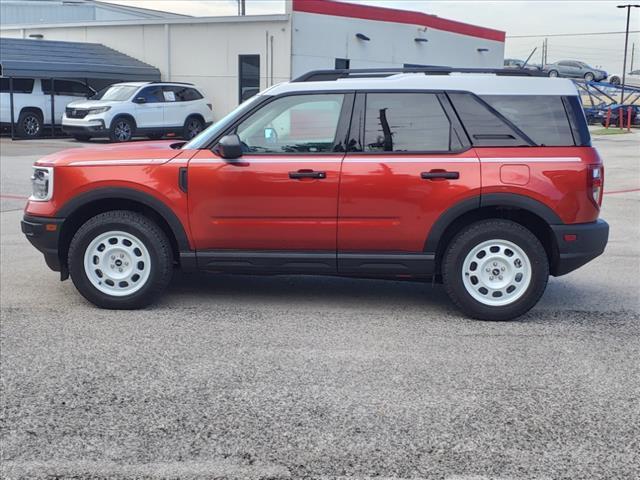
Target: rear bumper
x: 590, y: 242
x: 44, y: 234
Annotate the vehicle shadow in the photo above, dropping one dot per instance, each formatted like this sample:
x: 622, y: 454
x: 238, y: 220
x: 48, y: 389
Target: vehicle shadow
x: 309, y: 289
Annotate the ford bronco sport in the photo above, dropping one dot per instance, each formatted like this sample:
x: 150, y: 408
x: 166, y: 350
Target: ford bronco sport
x: 485, y: 181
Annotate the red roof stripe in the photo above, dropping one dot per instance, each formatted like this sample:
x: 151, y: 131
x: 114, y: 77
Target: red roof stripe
x: 366, y: 12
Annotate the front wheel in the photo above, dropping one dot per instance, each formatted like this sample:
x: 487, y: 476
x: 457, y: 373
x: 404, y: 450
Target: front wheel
x: 121, y: 130
x: 553, y: 73
x: 495, y: 270
x: 120, y: 260
x: 589, y: 77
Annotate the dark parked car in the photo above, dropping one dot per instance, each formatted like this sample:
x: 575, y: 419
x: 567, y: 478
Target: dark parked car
x: 516, y: 63
x: 575, y: 69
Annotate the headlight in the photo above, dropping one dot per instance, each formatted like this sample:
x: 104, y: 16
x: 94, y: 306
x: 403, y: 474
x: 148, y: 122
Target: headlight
x: 42, y: 184
x: 93, y: 111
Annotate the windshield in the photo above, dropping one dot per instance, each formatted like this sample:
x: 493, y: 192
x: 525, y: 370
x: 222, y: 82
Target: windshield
x: 218, y: 127
x: 116, y: 93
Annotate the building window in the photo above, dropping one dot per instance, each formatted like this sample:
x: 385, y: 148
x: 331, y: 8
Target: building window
x: 248, y: 76
x: 342, y: 63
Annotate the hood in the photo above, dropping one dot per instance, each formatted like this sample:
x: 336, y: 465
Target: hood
x: 84, y: 104
x: 134, y: 153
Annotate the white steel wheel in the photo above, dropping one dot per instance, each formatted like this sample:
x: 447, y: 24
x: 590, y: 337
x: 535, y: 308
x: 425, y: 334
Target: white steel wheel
x: 496, y: 272
x: 117, y: 263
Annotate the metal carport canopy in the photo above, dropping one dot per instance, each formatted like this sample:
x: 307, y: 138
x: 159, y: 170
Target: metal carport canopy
x: 53, y: 59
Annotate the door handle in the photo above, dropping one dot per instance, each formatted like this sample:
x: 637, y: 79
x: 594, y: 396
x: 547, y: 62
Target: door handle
x: 300, y: 174
x: 440, y: 175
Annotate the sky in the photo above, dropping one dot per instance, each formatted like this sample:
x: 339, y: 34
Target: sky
x: 517, y: 18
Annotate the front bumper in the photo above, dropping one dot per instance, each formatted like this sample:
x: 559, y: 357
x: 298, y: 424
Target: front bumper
x: 44, y: 234
x: 578, y: 244
x: 93, y: 128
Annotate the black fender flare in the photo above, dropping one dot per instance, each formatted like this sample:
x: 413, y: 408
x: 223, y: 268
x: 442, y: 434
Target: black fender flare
x: 120, y: 193
x: 507, y: 200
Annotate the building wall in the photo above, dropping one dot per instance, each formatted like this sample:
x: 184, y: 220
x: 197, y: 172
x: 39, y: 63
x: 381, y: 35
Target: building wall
x: 202, y: 53
x: 391, y: 45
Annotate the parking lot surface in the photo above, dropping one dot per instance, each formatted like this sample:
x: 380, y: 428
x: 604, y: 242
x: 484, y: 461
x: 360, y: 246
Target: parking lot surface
x: 289, y: 377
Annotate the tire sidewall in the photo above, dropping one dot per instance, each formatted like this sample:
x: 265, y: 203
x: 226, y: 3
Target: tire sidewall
x: 473, y: 236
x: 185, y: 133
x: 156, y: 280
x: 112, y: 133
x: 23, y: 116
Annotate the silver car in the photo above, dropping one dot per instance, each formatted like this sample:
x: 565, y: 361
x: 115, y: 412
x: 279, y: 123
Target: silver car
x: 575, y: 69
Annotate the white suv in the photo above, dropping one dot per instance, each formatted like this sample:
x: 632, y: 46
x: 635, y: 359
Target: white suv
x: 32, y: 102
x: 152, y: 109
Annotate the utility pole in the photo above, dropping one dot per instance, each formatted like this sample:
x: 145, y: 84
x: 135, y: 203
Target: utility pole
x: 626, y: 43
x: 242, y: 8
x: 633, y: 51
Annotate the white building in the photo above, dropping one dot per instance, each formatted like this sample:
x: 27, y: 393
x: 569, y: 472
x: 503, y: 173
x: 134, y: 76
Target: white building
x: 233, y: 57
x: 24, y: 12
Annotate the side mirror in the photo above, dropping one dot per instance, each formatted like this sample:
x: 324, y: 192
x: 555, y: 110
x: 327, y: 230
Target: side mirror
x: 139, y: 100
x: 229, y: 147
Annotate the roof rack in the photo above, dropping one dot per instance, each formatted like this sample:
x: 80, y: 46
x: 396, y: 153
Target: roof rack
x: 176, y: 83
x: 330, y: 75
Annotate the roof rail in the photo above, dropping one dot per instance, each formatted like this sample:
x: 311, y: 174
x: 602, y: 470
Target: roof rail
x: 330, y: 75
x: 175, y: 83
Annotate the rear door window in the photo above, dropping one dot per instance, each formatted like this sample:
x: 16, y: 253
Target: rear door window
x: 406, y: 122
x: 175, y: 93
x: 541, y: 117
x: 66, y: 87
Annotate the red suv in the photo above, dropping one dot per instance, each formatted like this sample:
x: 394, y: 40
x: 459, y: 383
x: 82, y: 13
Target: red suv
x: 484, y: 181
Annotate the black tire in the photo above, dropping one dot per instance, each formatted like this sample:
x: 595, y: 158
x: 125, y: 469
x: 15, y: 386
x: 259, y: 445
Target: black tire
x: 471, y: 237
x: 122, y: 130
x: 82, y: 138
x: 589, y: 77
x: 29, y: 124
x: 615, y: 80
x: 153, y: 239
x: 553, y: 73
x: 192, y: 127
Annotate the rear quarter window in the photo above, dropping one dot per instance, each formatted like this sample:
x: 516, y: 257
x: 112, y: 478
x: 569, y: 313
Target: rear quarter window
x: 542, y: 118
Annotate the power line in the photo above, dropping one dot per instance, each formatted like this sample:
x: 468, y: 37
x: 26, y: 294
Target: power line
x: 572, y: 34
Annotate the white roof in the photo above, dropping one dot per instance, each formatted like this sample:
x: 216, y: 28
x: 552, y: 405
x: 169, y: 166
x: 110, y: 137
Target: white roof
x: 478, y: 83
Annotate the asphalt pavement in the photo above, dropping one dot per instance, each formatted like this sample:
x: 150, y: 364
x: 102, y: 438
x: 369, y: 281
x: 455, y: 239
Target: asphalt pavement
x: 243, y: 377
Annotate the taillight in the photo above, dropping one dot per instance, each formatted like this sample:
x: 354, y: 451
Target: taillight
x: 595, y: 183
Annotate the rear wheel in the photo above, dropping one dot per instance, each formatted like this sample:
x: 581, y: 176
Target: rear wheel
x: 120, y: 260
x: 192, y: 127
x: 553, y: 73
x: 29, y: 124
x: 495, y: 270
x: 121, y: 130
